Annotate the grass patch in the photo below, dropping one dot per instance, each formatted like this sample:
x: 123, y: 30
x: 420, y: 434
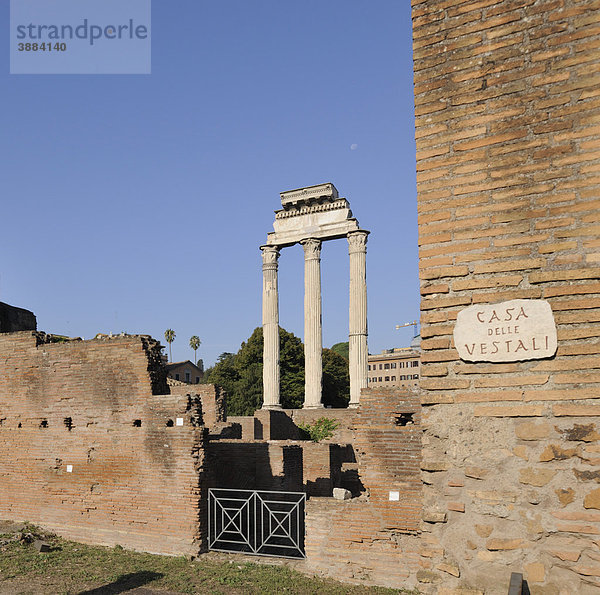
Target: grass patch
x: 72, y: 568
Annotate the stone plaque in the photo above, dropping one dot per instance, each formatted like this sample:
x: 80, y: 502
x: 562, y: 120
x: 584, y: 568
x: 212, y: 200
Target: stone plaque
x: 506, y: 332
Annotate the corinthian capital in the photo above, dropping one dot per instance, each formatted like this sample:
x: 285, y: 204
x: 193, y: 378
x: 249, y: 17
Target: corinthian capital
x: 357, y: 241
x: 312, y: 249
x: 270, y: 255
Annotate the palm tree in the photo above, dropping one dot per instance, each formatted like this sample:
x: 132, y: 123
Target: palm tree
x: 194, y: 344
x: 169, y: 338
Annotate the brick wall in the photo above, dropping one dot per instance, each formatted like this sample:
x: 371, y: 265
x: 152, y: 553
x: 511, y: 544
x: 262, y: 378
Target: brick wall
x: 211, y: 396
x: 256, y: 465
x: 288, y: 465
x: 507, y: 97
x: 88, y: 451
x: 374, y: 537
x: 284, y: 423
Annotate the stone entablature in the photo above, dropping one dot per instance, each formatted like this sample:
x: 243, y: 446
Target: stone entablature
x: 310, y: 216
x: 313, y: 212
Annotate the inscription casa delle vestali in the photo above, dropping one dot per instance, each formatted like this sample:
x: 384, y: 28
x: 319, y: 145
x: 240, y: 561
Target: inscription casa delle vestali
x: 509, y: 331
x: 504, y: 322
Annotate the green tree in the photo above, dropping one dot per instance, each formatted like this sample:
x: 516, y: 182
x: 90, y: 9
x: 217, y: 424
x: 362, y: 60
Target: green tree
x: 241, y: 375
x: 223, y: 372
x: 194, y: 344
x: 336, y: 379
x: 342, y: 349
x: 169, y: 338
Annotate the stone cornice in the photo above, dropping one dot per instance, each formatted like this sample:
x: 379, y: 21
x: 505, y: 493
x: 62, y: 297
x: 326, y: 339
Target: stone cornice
x: 302, y: 195
x: 305, y: 209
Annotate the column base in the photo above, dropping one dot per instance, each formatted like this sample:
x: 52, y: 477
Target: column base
x: 353, y: 405
x: 320, y: 406
x: 271, y: 408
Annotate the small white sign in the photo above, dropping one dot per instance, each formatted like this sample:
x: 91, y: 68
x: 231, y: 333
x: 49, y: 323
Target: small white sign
x: 179, y: 421
x: 394, y: 496
x: 69, y: 468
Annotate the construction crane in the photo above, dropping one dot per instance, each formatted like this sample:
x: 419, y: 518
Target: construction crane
x: 413, y: 323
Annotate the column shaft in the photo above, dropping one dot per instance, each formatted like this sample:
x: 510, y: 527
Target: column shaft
x: 357, y: 244
x: 270, y: 319
x: 313, y: 335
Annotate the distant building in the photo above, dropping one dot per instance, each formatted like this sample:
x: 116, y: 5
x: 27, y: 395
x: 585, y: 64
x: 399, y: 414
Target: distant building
x: 395, y: 367
x: 185, y: 372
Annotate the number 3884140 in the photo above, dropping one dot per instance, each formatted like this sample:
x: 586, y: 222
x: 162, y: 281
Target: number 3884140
x: 42, y: 47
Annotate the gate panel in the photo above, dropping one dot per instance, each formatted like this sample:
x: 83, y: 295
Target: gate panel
x: 256, y: 522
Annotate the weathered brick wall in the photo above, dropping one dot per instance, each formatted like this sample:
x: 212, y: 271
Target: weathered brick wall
x: 211, y: 396
x: 256, y: 465
x: 88, y: 451
x: 282, y: 424
x: 288, y: 465
x: 507, y: 100
x: 374, y: 537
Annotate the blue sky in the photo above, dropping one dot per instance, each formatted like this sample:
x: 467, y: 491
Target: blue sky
x: 138, y: 202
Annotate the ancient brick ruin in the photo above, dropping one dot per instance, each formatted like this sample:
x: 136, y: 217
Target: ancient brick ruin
x: 97, y: 447
x: 507, y: 110
x: 92, y: 447
x: 492, y: 467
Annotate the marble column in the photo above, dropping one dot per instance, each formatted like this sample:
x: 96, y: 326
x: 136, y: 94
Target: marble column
x: 270, y: 306
x: 313, y: 335
x: 357, y: 247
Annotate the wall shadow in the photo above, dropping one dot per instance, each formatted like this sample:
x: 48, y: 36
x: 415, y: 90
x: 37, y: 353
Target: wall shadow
x: 124, y: 583
x: 248, y: 466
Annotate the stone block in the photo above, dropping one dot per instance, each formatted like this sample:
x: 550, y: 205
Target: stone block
x: 589, y: 569
x: 536, y: 477
x: 565, y: 495
x: 585, y: 475
x: 476, y: 472
x: 434, y: 466
x: 592, y: 500
x: 580, y: 432
x: 521, y: 452
x: 456, y: 506
x: 432, y: 516
x: 495, y: 544
x: 566, y: 555
x: 41, y: 546
x: 532, y: 431
x: 449, y: 567
x: 554, y: 452
x: 484, y: 530
x: 341, y: 494
x: 428, y: 576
